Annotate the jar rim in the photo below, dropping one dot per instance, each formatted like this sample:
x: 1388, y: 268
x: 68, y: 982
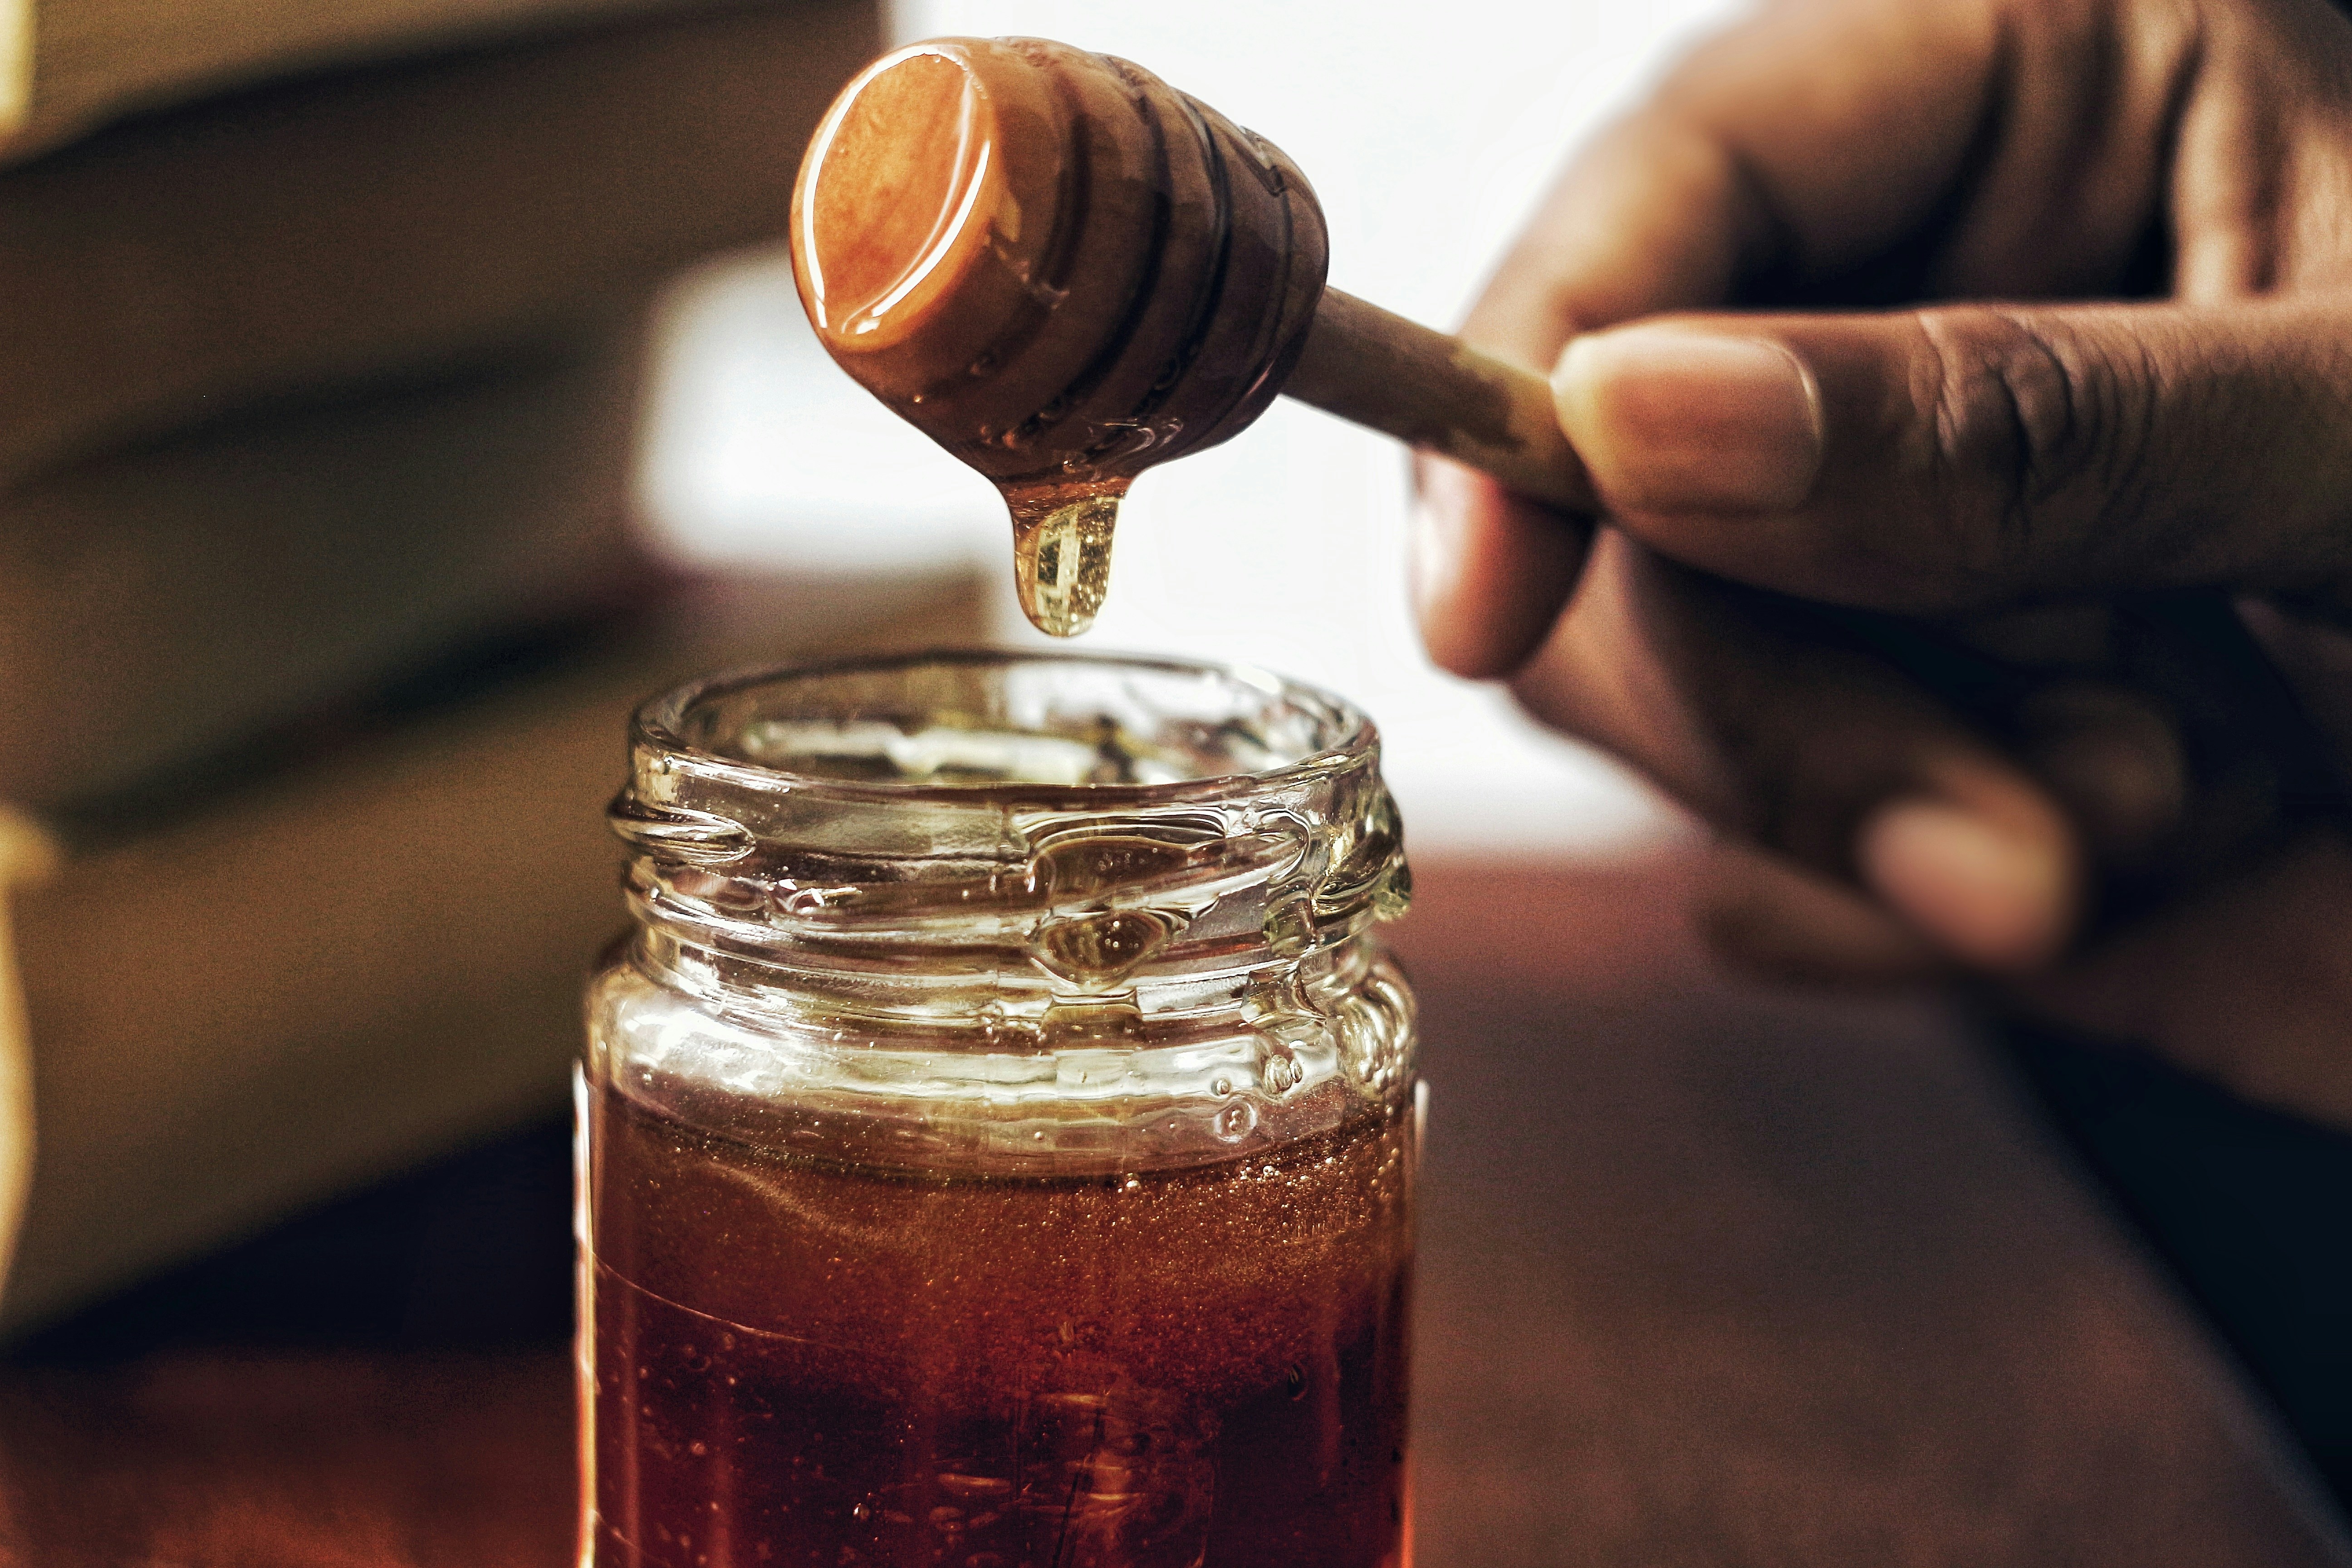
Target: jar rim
x: 663, y: 725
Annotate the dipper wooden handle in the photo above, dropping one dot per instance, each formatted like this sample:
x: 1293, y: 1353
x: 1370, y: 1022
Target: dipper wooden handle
x: 1440, y: 394
x: 1065, y: 271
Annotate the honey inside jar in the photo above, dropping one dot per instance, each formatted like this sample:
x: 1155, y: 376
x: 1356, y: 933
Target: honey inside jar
x: 801, y: 1361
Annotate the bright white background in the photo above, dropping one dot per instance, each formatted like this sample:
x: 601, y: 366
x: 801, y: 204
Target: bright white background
x: 1428, y: 130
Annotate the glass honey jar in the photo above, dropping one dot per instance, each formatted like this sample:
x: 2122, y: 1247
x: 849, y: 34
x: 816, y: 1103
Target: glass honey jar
x: 999, y: 1127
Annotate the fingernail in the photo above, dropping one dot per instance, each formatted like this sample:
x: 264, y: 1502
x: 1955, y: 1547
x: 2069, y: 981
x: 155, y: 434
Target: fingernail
x: 1674, y: 419
x: 1994, y: 897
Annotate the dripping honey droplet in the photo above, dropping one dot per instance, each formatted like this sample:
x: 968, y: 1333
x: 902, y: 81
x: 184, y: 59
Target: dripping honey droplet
x: 1061, y: 551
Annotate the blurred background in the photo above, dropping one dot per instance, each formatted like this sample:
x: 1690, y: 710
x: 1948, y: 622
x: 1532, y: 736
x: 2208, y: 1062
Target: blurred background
x: 1285, y: 547
x: 396, y: 394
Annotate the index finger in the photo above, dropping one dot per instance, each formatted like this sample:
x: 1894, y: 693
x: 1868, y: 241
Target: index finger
x: 1671, y: 208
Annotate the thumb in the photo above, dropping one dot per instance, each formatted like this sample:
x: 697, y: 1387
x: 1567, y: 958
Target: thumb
x: 1965, y: 457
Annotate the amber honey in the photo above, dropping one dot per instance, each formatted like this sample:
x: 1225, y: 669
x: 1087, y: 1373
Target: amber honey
x: 805, y: 1362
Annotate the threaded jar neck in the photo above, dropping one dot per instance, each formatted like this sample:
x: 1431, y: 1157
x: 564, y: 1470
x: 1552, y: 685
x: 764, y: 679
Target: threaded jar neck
x: 976, y: 836
x: 997, y: 910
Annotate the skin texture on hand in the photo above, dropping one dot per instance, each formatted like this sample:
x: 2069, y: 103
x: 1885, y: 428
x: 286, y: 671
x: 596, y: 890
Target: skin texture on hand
x: 1948, y: 369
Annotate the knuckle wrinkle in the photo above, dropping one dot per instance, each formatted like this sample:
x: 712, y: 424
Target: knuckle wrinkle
x: 2020, y: 414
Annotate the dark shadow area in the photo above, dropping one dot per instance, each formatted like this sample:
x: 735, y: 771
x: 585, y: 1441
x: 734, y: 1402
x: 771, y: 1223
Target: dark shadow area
x: 472, y: 1253
x: 2251, y: 1209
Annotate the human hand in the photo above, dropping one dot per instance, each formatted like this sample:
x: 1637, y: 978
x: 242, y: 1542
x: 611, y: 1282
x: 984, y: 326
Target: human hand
x: 1925, y: 602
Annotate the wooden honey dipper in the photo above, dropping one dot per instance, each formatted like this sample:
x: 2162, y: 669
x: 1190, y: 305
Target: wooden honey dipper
x: 1064, y: 272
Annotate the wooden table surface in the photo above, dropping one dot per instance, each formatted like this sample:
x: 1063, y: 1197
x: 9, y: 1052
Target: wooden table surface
x: 1710, y: 1278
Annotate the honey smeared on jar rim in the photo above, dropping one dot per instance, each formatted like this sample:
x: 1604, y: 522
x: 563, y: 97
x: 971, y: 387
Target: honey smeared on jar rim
x: 1061, y: 551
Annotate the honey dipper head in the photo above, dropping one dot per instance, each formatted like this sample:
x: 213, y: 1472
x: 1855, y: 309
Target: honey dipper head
x: 1060, y: 268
